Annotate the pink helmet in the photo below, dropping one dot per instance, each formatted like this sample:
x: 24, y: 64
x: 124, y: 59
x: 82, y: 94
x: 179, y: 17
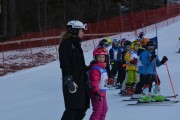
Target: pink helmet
x: 100, y: 51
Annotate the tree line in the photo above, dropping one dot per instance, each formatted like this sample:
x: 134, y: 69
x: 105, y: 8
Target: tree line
x: 24, y: 16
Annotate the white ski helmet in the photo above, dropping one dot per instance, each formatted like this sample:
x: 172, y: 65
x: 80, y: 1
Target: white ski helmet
x: 73, y: 26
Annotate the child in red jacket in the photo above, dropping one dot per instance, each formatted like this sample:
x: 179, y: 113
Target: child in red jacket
x: 98, y: 79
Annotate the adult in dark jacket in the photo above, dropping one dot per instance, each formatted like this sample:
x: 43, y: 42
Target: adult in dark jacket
x: 74, y: 76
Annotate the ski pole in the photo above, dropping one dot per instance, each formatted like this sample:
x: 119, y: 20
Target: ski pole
x: 170, y: 79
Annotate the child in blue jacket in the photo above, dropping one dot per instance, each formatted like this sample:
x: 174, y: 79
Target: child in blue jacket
x: 150, y: 61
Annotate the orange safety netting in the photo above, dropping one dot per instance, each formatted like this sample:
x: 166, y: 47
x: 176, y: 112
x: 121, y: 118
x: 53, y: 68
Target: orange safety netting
x: 20, y: 53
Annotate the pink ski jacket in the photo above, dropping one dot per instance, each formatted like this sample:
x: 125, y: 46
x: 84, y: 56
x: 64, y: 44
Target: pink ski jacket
x: 98, y: 78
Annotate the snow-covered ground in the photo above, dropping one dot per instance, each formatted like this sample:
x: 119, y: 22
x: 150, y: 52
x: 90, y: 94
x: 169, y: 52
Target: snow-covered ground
x: 36, y: 93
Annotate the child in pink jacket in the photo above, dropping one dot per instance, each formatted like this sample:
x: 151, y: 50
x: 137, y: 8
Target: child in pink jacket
x: 98, y: 80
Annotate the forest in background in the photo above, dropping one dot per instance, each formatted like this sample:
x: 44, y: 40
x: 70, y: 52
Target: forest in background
x: 18, y: 17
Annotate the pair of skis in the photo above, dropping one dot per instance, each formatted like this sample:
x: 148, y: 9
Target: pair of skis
x: 136, y: 99
x: 166, y: 102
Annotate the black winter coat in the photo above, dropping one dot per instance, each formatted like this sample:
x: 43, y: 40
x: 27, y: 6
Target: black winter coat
x: 72, y: 63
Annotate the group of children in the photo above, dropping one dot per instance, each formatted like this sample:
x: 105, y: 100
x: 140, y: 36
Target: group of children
x: 134, y: 63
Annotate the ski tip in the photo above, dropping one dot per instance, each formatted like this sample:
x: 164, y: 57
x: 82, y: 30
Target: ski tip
x: 176, y: 101
x: 176, y: 95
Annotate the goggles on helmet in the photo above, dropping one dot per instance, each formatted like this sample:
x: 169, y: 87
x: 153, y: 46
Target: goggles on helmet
x: 84, y: 26
x: 101, y: 49
x: 75, y: 24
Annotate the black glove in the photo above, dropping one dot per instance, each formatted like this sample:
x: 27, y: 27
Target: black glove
x: 72, y: 86
x: 164, y: 59
x: 153, y: 56
x: 97, y: 96
x: 87, y: 68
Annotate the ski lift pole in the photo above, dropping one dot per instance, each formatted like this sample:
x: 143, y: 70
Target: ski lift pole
x: 157, y: 82
x: 178, y: 45
x: 178, y: 42
x: 170, y: 79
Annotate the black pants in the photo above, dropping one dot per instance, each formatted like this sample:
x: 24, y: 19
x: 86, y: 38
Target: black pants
x: 139, y: 85
x: 71, y: 114
x: 146, y: 80
x: 108, y: 69
x: 114, y: 68
x: 121, y: 73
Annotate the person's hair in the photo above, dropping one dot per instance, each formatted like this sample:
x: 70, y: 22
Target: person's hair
x: 64, y: 35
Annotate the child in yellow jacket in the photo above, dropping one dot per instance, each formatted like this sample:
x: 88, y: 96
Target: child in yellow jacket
x: 131, y: 59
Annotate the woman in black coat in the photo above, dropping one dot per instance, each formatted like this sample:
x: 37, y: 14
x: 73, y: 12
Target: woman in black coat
x: 74, y: 76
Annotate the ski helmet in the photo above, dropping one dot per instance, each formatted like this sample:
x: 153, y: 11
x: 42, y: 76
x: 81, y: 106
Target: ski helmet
x: 128, y: 43
x: 74, y: 26
x: 123, y: 42
x: 106, y: 42
x: 150, y: 45
x: 115, y: 43
x: 141, y: 34
x: 100, y: 51
x: 144, y: 42
x: 123, y: 39
x: 115, y: 40
x: 135, y: 42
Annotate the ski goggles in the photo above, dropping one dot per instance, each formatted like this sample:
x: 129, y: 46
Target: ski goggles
x: 84, y: 26
x: 101, y: 49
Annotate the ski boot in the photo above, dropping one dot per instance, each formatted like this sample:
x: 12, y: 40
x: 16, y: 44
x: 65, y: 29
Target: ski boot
x: 151, y: 94
x: 122, y: 92
x: 110, y: 82
x: 145, y: 99
x: 118, y: 86
x: 129, y: 90
x: 158, y: 98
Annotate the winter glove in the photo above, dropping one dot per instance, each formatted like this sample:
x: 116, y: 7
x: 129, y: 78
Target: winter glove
x: 124, y: 65
x: 72, y: 86
x: 87, y: 68
x: 164, y: 59
x: 152, y: 57
x: 134, y: 61
x: 97, y: 96
x: 112, y: 63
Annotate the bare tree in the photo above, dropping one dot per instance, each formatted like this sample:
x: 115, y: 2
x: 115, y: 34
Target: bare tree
x: 4, y: 18
x: 11, y: 18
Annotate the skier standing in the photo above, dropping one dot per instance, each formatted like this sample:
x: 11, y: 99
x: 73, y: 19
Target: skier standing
x: 74, y: 76
x: 98, y: 79
x: 140, y: 84
x: 113, y: 54
x: 121, y: 63
x: 106, y: 42
x: 150, y: 60
x: 131, y: 68
x: 131, y: 59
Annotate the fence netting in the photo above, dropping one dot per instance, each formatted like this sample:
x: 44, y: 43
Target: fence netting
x: 38, y: 48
